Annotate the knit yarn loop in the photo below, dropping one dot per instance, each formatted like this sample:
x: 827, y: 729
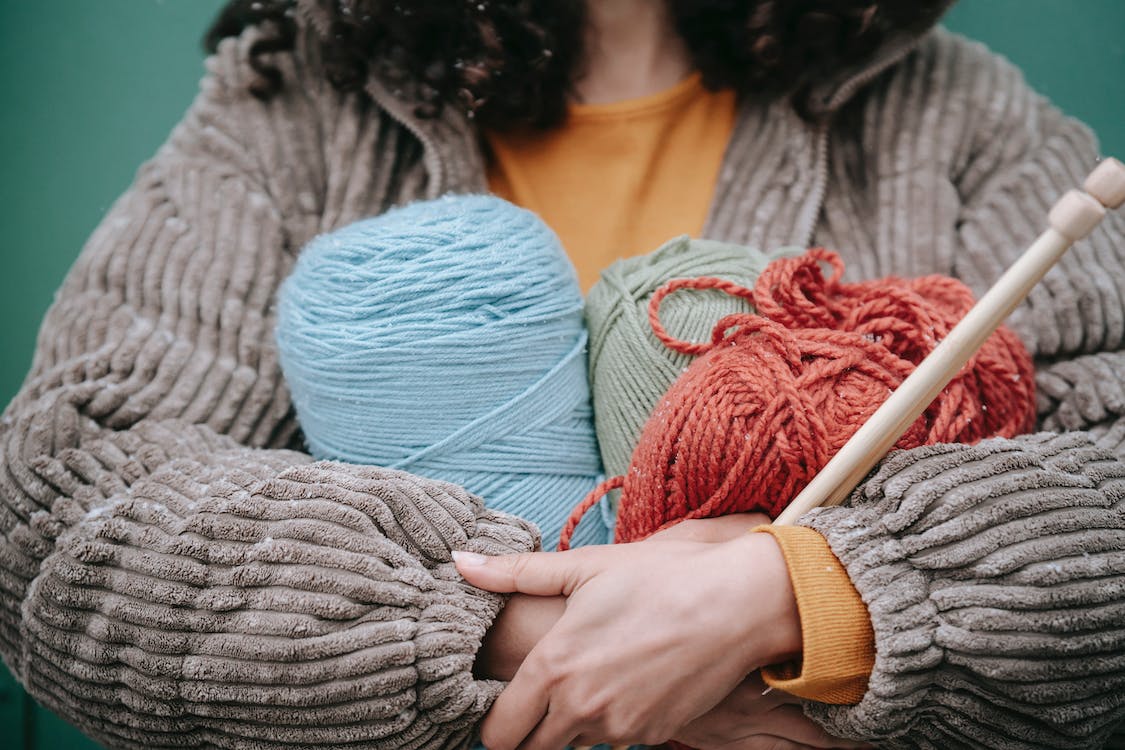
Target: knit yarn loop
x: 774, y: 395
x: 446, y: 339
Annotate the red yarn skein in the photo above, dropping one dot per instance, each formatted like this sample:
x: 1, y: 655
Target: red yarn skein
x: 773, y: 396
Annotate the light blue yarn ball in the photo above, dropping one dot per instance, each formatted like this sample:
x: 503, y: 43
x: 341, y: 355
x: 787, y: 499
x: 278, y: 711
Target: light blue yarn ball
x: 446, y: 339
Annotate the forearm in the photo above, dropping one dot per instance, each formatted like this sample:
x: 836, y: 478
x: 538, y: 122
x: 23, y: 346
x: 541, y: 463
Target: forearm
x: 993, y: 575
x: 165, y: 577
x: 1082, y: 393
x: 221, y: 597
x: 525, y: 619
x: 522, y: 623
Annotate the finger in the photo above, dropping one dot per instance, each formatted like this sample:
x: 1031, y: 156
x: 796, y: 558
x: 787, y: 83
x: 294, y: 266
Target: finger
x: 766, y: 742
x: 746, y: 719
x: 538, y: 573
x: 770, y: 742
x: 517, y: 710
x: 789, y: 722
x: 553, y: 733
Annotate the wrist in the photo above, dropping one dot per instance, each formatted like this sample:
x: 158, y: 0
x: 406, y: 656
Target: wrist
x: 772, y: 623
x: 520, y: 625
x: 837, y: 640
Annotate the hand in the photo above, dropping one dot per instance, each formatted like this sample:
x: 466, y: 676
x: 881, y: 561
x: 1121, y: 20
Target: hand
x: 750, y: 718
x: 653, y: 636
x: 526, y: 619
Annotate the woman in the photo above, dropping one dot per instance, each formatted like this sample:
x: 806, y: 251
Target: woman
x: 172, y: 575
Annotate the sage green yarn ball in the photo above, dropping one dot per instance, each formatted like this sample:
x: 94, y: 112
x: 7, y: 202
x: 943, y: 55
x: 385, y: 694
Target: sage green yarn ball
x: 629, y: 368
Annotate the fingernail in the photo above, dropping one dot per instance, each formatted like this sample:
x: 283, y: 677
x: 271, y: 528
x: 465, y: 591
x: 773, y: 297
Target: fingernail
x: 468, y: 559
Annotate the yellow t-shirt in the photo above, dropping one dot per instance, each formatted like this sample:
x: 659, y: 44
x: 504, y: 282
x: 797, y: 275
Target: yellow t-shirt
x: 618, y: 180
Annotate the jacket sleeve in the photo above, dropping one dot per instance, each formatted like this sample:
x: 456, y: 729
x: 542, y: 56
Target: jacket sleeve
x: 169, y: 575
x: 994, y: 574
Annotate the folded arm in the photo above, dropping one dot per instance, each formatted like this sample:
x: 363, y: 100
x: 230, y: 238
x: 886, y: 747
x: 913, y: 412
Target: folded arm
x: 169, y: 573
x: 994, y: 574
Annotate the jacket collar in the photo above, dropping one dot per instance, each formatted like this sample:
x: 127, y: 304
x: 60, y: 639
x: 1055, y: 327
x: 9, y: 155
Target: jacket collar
x: 451, y: 146
x: 828, y: 97
x: 451, y: 152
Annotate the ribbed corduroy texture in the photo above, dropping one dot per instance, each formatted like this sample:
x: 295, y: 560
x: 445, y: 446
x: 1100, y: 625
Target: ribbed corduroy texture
x: 990, y: 612
x: 446, y: 339
x: 156, y: 381
x: 630, y: 369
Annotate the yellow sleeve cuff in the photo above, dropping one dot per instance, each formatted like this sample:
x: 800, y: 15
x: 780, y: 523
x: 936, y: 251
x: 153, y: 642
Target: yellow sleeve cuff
x: 838, y: 650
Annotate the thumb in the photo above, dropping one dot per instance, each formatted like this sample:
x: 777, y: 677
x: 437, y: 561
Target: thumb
x: 537, y: 573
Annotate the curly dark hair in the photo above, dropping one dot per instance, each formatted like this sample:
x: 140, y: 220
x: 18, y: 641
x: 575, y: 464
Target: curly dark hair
x: 513, y: 64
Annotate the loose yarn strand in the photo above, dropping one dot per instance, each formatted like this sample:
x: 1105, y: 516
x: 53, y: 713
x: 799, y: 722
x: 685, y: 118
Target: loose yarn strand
x: 596, y: 495
x: 701, y: 283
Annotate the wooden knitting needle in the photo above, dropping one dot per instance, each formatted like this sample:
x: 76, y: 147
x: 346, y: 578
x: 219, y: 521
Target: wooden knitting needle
x: 1073, y: 217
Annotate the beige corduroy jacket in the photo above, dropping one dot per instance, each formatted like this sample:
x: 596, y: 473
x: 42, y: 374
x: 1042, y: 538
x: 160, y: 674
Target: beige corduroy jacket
x: 174, y: 571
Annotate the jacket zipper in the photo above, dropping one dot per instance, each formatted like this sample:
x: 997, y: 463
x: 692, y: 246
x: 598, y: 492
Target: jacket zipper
x: 431, y: 154
x: 819, y: 189
x: 820, y: 179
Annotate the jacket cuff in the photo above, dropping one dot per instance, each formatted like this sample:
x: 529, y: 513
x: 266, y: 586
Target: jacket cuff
x: 224, y: 603
x: 988, y: 571
x: 838, y: 642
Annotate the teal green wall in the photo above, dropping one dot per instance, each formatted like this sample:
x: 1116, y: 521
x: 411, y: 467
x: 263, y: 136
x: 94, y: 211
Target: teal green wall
x: 91, y: 87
